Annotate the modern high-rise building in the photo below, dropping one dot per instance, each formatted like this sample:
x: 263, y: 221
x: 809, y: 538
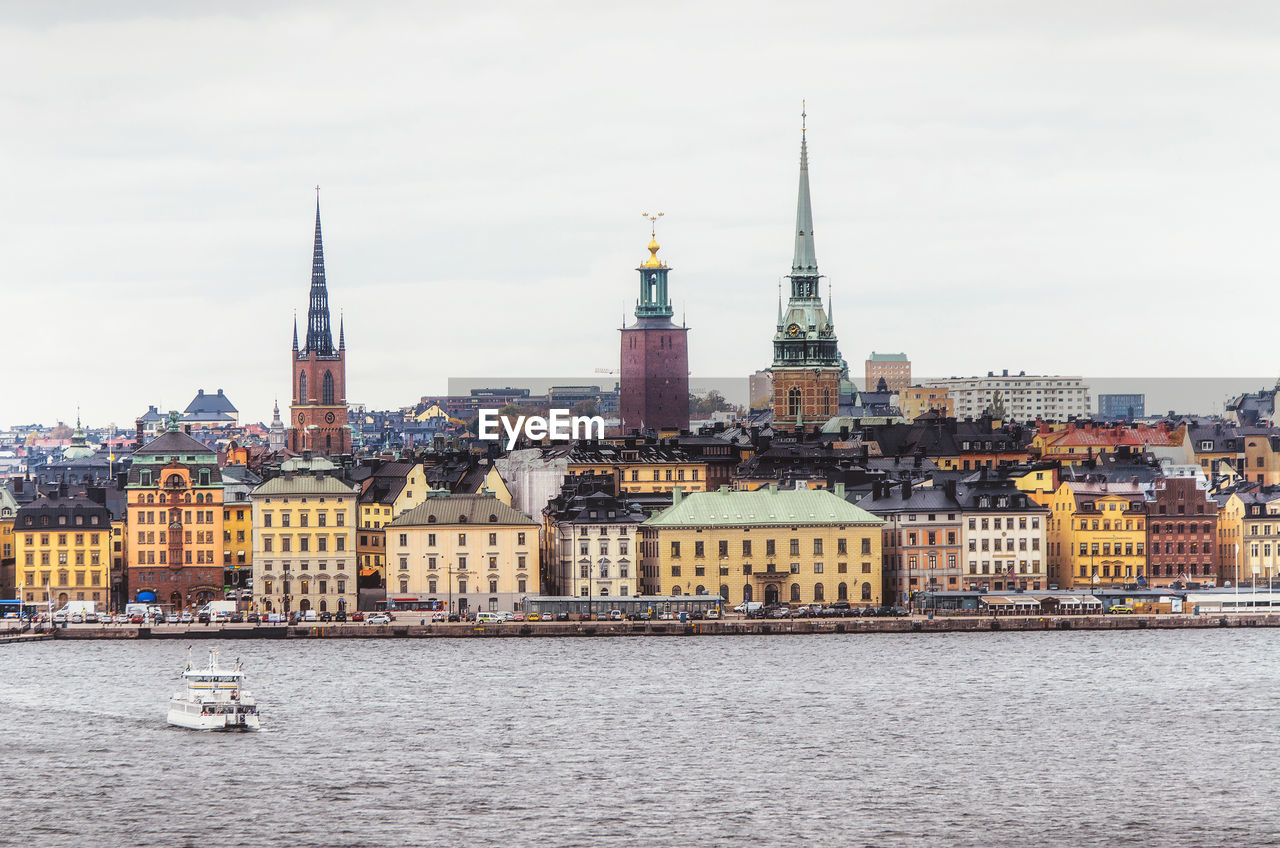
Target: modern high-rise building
x: 654, y: 378
x: 1020, y: 397
x: 806, y: 360
x: 318, y: 414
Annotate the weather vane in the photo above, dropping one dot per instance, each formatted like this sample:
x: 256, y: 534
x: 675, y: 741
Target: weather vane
x: 804, y: 117
x: 653, y: 222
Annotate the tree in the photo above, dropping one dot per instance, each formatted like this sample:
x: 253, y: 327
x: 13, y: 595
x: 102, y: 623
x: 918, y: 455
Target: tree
x: 586, y: 408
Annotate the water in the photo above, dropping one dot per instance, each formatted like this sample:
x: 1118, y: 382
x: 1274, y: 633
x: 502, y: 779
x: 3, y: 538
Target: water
x: 1080, y: 738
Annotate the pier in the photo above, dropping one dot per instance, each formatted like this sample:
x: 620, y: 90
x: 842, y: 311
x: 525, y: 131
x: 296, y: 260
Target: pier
x: 413, y: 628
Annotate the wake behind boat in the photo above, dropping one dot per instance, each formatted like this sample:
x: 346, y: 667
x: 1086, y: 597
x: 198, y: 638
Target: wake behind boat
x: 214, y: 699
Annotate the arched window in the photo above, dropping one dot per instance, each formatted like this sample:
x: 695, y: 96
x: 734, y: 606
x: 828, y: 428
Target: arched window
x: 700, y: 590
x: 819, y: 594
x: 724, y: 592
x: 866, y: 591
x: 675, y: 590
x: 842, y: 592
x: 328, y: 387
x: 793, y: 401
x: 795, y: 593
x: 204, y: 477
x: 302, y: 387
x: 746, y: 593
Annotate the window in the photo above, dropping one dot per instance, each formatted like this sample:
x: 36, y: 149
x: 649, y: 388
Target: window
x: 493, y: 539
x: 795, y: 547
x: 699, y: 549
x: 675, y: 550
x: 817, y: 547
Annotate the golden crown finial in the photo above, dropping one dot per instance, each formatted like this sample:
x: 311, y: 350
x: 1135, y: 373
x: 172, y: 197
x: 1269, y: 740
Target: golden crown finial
x: 653, y: 261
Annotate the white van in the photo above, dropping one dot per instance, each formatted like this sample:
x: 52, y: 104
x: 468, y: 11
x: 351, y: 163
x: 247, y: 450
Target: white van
x: 309, y: 615
x: 489, y: 618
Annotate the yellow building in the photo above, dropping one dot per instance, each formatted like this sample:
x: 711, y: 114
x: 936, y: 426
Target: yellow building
x: 392, y: 488
x: 915, y: 401
x: 640, y: 468
x: 1262, y: 459
x: 1249, y: 537
x: 466, y: 553
x: 62, y: 550
x: 304, y: 533
x: 768, y: 545
x: 1039, y: 481
x: 1097, y: 534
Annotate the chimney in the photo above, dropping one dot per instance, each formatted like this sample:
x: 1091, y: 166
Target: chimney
x: 17, y: 485
x: 951, y: 489
x: 138, y: 438
x: 906, y: 490
x: 676, y: 494
x: 877, y: 491
x: 840, y: 490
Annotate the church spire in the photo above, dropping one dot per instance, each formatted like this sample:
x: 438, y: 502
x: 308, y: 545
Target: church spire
x: 804, y: 265
x: 319, y: 334
x: 295, y: 332
x: 342, y: 332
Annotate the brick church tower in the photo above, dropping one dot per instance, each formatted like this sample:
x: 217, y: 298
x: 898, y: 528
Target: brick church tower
x: 654, y: 378
x: 318, y: 414
x: 807, y: 367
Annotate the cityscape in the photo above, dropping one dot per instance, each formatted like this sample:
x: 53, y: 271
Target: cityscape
x: 832, y: 492
x: 582, y: 424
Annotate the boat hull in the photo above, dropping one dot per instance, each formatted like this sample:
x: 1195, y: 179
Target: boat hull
x: 215, y: 722
x: 218, y: 721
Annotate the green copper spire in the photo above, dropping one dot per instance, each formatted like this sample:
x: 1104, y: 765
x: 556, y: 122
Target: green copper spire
x: 805, y: 262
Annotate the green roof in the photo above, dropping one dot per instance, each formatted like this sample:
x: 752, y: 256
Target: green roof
x: 887, y: 357
x: 441, y: 507
x: 767, y: 507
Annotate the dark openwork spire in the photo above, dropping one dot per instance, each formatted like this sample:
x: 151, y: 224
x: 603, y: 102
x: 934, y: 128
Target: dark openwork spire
x: 319, y: 333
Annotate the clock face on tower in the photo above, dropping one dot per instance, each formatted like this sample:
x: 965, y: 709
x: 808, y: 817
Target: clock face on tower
x: 328, y: 418
x: 793, y: 330
x: 302, y: 417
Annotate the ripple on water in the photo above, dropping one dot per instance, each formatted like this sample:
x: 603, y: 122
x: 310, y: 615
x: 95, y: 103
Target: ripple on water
x: 1137, y: 738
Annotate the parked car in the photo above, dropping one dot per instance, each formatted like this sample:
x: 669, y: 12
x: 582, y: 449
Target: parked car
x: 1120, y: 608
x: 136, y: 618
x: 237, y: 618
x: 438, y: 616
x: 517, y: 616
x: 453, y: 616
x: 535, y: 616
x: 340, y: 615
x: 186, y: 618
x: 202, y: 617
x: 326, y: 616
x: 357, y: 616
x: 378, y: 618
x: 712, y: 613
x: 253, y: 618
x: 781, y: 611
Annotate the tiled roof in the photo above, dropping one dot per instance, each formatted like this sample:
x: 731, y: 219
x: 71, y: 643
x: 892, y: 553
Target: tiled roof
x: 205, y: 403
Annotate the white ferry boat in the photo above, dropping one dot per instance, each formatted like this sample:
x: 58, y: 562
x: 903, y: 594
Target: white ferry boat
x: 214, y: 699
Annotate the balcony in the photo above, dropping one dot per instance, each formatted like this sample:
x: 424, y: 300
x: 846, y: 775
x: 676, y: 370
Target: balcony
x: 771, y: 575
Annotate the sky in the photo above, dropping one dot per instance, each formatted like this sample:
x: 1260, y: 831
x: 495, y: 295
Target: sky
x: 1088, y: 188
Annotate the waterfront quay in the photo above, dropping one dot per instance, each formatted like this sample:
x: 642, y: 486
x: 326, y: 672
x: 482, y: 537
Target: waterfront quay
x: 421, y: 628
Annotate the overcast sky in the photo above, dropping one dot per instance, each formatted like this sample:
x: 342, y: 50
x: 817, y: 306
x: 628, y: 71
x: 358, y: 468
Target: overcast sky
x: 1093, y: 190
